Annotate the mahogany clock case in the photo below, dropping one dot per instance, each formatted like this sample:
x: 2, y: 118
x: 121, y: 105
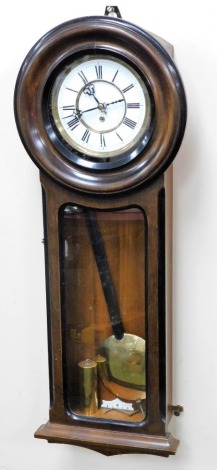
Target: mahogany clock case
x: 131, y: 198
x: 136, y: 230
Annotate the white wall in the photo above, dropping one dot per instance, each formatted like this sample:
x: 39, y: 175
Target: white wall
x: 190, y: 25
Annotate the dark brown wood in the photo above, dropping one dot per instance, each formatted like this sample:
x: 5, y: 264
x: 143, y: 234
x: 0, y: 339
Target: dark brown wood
x: 151, y: 435
x: 144, y: 186
x: 144, y: 53
x: 109, y: 442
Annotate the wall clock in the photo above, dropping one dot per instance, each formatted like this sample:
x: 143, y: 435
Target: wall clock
x: 100, y: 108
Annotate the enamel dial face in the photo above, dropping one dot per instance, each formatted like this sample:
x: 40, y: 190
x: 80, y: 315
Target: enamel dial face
x: 101, y: 111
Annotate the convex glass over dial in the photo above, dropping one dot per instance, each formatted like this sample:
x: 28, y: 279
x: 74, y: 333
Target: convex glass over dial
x: 101, y: 108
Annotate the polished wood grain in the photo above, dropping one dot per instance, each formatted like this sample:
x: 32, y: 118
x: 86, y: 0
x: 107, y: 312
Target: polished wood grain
x: 109, y: 442
x: 156, y: 307
x: 140, y: 258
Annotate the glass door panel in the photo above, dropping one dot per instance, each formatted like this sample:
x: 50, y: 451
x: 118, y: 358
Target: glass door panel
x: 103, y: 312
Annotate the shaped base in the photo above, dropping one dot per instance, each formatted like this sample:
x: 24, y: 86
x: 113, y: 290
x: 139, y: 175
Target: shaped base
x: 108, y: 442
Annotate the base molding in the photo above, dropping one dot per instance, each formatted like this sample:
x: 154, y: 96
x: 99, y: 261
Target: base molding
x: 108, y: 442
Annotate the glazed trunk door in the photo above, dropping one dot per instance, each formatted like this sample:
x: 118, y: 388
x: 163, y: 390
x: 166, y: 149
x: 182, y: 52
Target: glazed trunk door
x: 103, y: 291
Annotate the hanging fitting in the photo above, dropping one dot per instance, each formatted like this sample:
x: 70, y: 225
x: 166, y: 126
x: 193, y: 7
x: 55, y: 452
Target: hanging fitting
x: 112, y: 11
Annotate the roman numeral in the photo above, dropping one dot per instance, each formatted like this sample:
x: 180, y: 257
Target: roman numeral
x: 83, y: 78
x: 86, y: 136
x: 129, y: 122
x: 73, y: 123
x: 69, y: 108
x: 133, y: 105
x: 115, y: 75
x: 71, y: 89
x: 119, y: 137
x: 102, y: 140
x: 98, y: 69
x: 128, y: 88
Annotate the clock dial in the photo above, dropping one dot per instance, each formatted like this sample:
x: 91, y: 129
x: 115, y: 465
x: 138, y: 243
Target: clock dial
x: 101, y: 107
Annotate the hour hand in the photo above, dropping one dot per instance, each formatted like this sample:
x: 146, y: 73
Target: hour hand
x: 90, y: 90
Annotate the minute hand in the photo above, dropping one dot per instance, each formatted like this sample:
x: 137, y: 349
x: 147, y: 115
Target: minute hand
x: 114, y: 102
x: 100, y: 104
x: 79, y: 112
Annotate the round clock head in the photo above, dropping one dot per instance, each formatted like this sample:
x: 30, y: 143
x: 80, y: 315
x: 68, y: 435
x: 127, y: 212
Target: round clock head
x: 101, y: 111
x: 100, y: 105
